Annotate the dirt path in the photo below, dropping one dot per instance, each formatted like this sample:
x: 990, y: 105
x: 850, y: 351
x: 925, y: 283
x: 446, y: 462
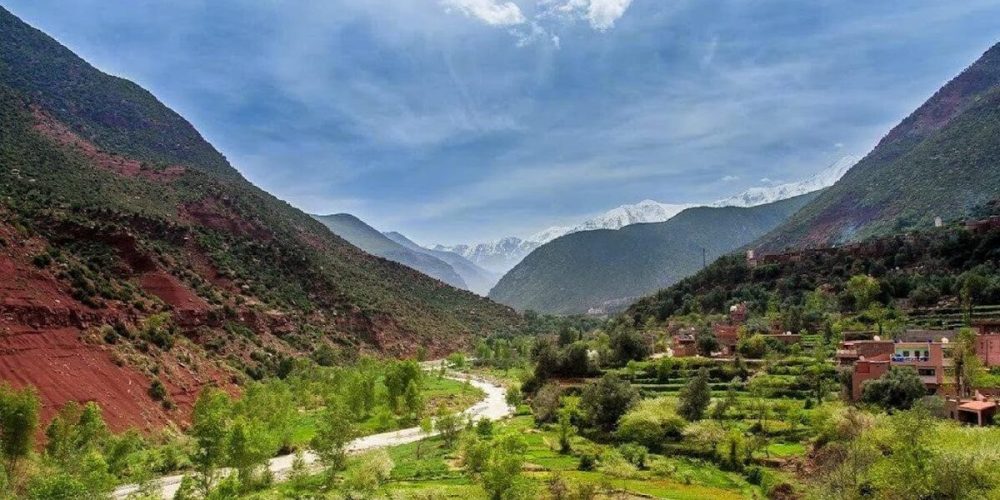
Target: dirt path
x: 493, y: 406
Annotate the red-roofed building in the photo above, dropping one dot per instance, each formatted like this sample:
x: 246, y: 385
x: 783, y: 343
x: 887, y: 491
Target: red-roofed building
x: 988, y: 342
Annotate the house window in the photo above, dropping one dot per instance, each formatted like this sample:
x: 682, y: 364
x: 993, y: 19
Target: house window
x: 926, y: 372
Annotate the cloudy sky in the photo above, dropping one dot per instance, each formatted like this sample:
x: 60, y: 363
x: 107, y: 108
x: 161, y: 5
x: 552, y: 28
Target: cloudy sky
x: 464, y: 120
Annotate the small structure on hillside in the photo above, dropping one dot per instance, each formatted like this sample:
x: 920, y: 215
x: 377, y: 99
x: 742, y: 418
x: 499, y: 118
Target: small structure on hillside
x: 988, y: 342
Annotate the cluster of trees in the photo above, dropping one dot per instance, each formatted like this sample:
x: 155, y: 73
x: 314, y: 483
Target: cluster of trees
x: 323, y: 408
x: 924, y: 267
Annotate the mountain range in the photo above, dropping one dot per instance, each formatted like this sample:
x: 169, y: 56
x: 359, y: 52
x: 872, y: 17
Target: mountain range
x: 604, y: 270
x: 133, y: 253
x: 502, y: 255
x: 941, y: 161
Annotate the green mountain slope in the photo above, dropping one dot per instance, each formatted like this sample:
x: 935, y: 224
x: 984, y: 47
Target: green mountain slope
x: 479, y: 280
x: 942, y: 160
x: 111, y: 112
x: 369, y: 239
x: 107, y: 178
x: 605, y: 269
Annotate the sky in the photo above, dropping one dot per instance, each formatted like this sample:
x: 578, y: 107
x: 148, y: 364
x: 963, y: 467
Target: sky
x: 457, y: 121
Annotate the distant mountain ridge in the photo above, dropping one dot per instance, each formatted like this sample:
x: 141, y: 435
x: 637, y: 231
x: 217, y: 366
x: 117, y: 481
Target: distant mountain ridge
x: 941, y: 161
x: 369, y: 239
x: 503, y: 254
x: 604, y: 270
x: 479, y: 280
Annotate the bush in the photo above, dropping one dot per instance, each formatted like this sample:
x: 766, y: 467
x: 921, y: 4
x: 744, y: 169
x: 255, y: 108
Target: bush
x: 157, y: 391
x: 650, y: 424
x: 635, y: 454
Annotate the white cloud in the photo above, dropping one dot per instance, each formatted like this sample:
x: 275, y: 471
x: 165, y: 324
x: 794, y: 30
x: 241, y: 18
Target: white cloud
x: 489, y: 11
x: 601, y: 14
x: 731, y: 178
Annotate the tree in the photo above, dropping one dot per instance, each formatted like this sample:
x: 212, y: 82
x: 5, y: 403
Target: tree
x: 334, y: 431
x: 605, y: 401
x: 545, y: 404
x: 864, y: 289
x: 898, y: 389
x: 565, y: 430
x: 18, y: 422
x: 706, y: 343
x: 513, y: 396
x: 74, y: 432
x: 249, y: 447
x: 501, y: 476
x: 398, y: 377
x: 752, y: 346
x: 967, y: 364
x: 209, y: 428
x: 449, y: 425
x: 972, y: 286
x: 413, y: 401
x: 628, y: 345
x: 426, y: 428
x: 695, y: 397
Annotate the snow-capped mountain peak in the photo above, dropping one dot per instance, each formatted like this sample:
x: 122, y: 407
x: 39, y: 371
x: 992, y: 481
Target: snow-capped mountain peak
x: 769, y: 194
x: 625, y: 215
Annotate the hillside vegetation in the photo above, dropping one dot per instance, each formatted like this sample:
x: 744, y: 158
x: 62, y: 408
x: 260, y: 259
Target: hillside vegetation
x: 607, y: 269
x: 114, y: 211
x: 943, y: 160
x: 923, y: 270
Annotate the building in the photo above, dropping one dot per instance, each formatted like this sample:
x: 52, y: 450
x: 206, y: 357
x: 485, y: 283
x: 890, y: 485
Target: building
x: 851, y: 351
x: 976, y: 411
x: 983, y: 225
x: 727, y: 336
x: 683, y: 345
x: 988, y: 342
x: 929, y: 359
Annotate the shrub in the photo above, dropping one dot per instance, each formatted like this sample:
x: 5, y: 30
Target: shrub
x: 635, y: 454
x: 157, y: 390
x: 651, y: 423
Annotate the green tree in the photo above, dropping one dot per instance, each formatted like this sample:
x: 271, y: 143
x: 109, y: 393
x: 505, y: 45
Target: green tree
x: 971, y: 290
x: 398, y: 377
x: 210, y: 429
x: 334, y: 431
x: 449, y: 425
x: 18, y: 423
x: 565, y: 431
x: 965, y: 361
x: 605, y: 401
x: 413, y: 400
x: 501, y: 476
x: 628, y: 345
x: 864, y: 289
x: 426, y: 428
x: 898, y: 389
x: 249, y: 446
x: 706, y: 343
x: 695, y: 397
